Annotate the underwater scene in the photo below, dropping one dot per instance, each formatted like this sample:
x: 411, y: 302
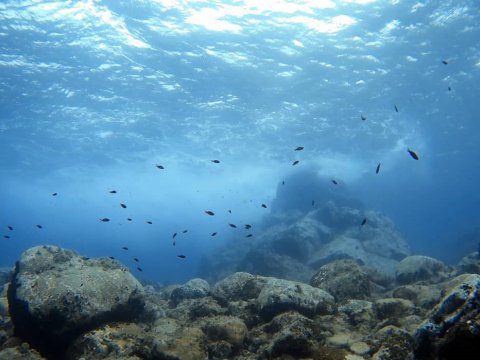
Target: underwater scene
x: 239, y: 179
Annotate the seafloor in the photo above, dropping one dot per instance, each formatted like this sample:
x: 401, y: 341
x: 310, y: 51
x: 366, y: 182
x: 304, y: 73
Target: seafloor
x: 304, y: 288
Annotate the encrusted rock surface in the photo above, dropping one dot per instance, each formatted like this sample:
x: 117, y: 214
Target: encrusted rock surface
x: 421, y: 268
x: 55, y: 295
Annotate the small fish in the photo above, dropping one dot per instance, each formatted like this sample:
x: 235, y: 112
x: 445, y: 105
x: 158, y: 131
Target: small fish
x: 413, y: 154
x: 444, y: 62
x: 299, y: 148
x: 103, y: 220
x: 232, y: 226
x: 313, y: 202
x: 129, y: 219
x: 123, y: 206
x: 139, y: 269
x: 149, y: 222
x: 184, y: 231
x: 213, y: 234
x: 40, y: 226
x: 54, y: 194
x: 181, y: 256
x: 334, y: 182
x: 159, y: 167
x: 295, y: 162
x: 264, y: 206
x: 111, y: 257
x: 378, y: 168
x: 113, y: 191
x: 208, y: 212
x: 174, y: 235
x: 125, y: 248
x: 229, y: 211
x: 396, y: 108
x: 174, y: 243
x: 215, y: 161
x: 283, y: 182
x: 10, y: 228
x: 449, y: 88
x: 249, y: 236
x: 248, y: 226
x: 135, y: 259
x: 363, y: 117
x: 364, y: 221
x: 6, y: 236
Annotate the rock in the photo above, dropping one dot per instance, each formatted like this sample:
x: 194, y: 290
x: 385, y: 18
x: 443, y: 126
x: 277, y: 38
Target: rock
x: 360, y: 348
x: 195, y: 288
x: 5, y: 275
x: 239, y: 286
x: 22, y: 352
x: 469, y: 264
x: 393, y: 308
x: 423, y: 296
x: 185, y: 343
x: 421, y: 268
x: 225, y: 328
x: 452, y: 330
x: 393, y: 343
x: 358, y: 312
x: 279, y: 296
x: 290, y: 334
x: 344, y: 279
x: 55, y: 295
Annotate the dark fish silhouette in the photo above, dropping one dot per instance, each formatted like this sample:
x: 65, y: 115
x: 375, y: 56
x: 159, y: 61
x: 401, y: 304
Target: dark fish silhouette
x: 149, y: 222
x: 364, y: 221
x: 208, y: 212
x: 181, y: 256
x: 174, y: 235
x: 249, y: 235
x: 413, y: 154
x: 363, y: 117
x: 313, y: 202
x: 40, y: 226
x: 248, y: 226
x: 111, y: 257
x: 264, y: 206
x: 378, y: 168
x: 232, y: 226
x: 125, y: 248
x: 229, y: 211
x: 335, y: 182
x: 129, y: 219
x: 113, y: 192
x: 174, y: 243
x: 6, y: 236
x: 299, y: 148
x: 159, y: 167
x: 139, y: 269
x: 184, y: 231
x: 396, y: 108
x: 283, y: 182
x: 213, y: 234
x: 103, y: 220
x: 54, y: 194
x: 135, y: 259
x: 10, y: 228
x: 123, y: 206
x: 444, y: 62
x: 215, y: 161
x: 295, y: 162
x: 449, y: 88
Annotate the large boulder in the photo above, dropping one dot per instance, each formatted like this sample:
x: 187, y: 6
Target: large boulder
x: 451, y: 331
x: 280, y: 295
x: 55, y: 295
x: 344, y: 279
x: 421, y: 268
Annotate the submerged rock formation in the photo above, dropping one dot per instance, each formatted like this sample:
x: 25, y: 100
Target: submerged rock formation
x: 242, y: 317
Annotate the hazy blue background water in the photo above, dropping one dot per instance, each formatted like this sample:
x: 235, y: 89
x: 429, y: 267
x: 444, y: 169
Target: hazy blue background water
x: 94, y: 94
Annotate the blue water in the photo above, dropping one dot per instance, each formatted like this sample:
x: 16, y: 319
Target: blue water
x: 94, y: 94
